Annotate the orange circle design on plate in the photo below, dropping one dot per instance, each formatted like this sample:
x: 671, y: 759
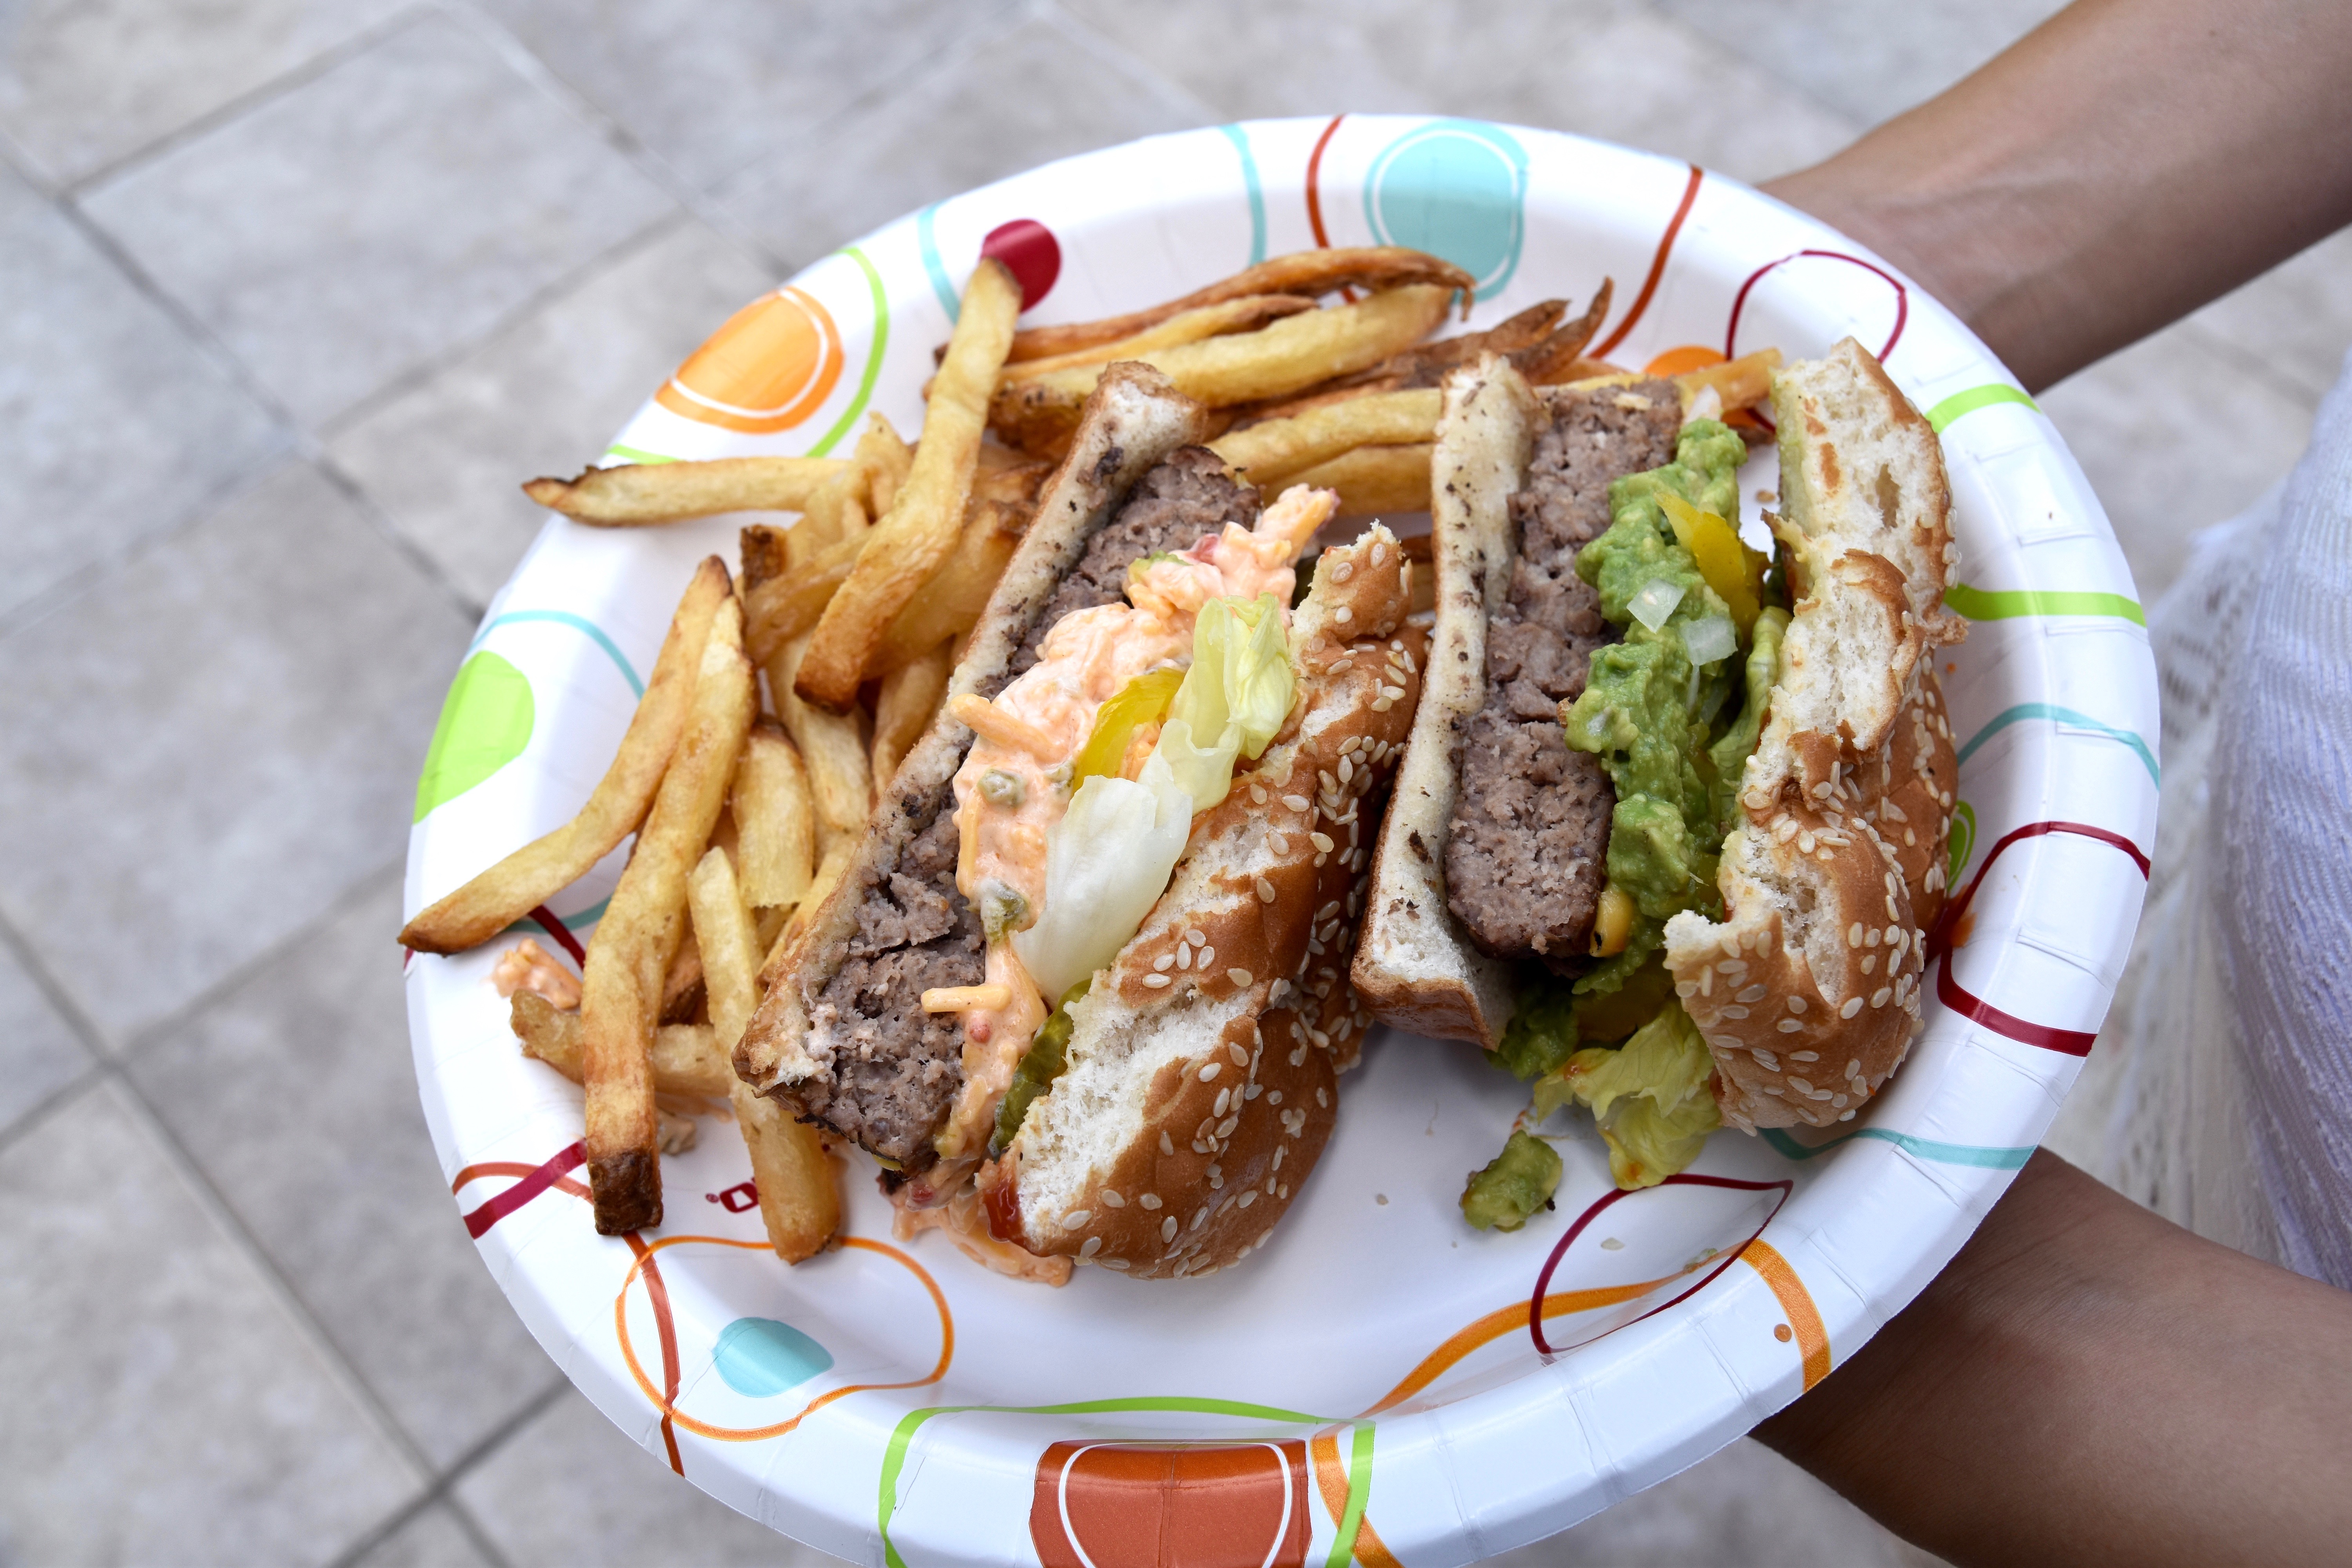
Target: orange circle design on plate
x: 768, y: 369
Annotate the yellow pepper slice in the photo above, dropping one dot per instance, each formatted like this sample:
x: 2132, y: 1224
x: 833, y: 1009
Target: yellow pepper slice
x: 1143, y: 701
x: 1730, y: 568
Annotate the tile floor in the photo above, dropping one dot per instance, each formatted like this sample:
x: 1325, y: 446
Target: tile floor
x: 256, y: 259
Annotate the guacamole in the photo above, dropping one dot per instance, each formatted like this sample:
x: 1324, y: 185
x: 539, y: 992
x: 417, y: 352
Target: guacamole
x: 1514, y: 1184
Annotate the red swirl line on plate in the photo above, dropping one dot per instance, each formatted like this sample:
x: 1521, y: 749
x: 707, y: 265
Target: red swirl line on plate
x: 1657, y: 265
x: 1784, y: 1186
x: 542, y: 1177
x: 1975, y: 1008
x: 562, y: 934
x: 1314, y: 195
x: 657, y: 1296
x: 1901, y: 298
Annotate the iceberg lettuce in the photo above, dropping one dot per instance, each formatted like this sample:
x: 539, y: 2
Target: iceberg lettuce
x: 1650, y: 1097
x: 1107, y: 863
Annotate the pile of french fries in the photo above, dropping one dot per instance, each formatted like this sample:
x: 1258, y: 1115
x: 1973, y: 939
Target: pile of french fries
x: 784, y: 696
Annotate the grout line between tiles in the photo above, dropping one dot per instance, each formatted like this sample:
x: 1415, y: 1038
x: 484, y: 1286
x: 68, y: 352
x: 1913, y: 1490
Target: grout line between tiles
x: 444, y: 1487
x: 285, y: 81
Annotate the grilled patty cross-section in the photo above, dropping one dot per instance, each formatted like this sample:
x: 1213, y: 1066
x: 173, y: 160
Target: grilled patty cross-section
x: 1525, y: 852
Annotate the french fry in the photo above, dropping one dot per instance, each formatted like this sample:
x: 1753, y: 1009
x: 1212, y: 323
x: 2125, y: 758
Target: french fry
x: 685, y: 1056
x: 1243, y: 315
x: 1294, y: 353
x: 1742, y: 383
x: 528, y: 877
x: 908, y: 544
x: 766, y: 553
x: 1427, y: 364
x: 642, y: 928
x: 1271, y: 452
x: 775, y: 819
x: 885, y: 459
x: 681, y: 997
x: 1554, y: 359
x: 1004, y: 498
x: 1307, y: 272
x: 910, y: 695
x: 1374, y: 481
x: 831, y: 746
x: 836, y: 512
x: 633, y: 495
x: 786, y: 608
x: 789, y: 1168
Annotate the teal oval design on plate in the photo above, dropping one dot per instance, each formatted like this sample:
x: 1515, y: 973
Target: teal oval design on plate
x: 761, y: 1358
x: 1456, y: 188
x: 486, y: 722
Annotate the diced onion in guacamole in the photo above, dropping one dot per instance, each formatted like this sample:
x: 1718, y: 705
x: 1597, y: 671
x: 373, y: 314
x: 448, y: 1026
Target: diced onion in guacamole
x: 1655, y: 601
x: 1710, y: 640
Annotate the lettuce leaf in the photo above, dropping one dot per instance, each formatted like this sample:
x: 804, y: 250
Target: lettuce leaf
x: 1233, y: 699
x: 1107, y: 863
x: 1649, y: 1096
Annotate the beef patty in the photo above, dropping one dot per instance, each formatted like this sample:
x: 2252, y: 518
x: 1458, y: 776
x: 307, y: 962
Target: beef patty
x: 1525, y: 852
x: 896, y: 1069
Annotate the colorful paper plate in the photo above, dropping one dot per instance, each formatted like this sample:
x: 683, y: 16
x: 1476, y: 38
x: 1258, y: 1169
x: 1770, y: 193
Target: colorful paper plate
x: 1379, y: 1381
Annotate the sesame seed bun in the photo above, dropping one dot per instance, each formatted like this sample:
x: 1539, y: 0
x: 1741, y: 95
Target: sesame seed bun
x: 1202, y: 1068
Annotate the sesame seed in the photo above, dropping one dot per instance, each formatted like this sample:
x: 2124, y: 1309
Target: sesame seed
x: 1295, y: 802
x: 1167, y: 1229
x: 1257, y: 794
x: 1800, y: 1085
x: 1878, y: 998
x: 1345, y: 570
x: 1753, y: 994
x: 1274, y: 1096
x: 1241, y: 1057
x: 1796, y: 1004
x: 1853, y: 1005
x: 1196, y: 936
x: 1322, y: 1098
x: 1224, y: 1098
x: 1280, y: 843
x: 1206, y: 955
x: 1790, y: 1025
x: 1184, y: 958
x: 1735, y: 1013
x: 1201, y: 1217
x: 1343, y: 615
x: 1239, y: 976
x: 1322, y: 842
x: 1209, y: 1070
x: 1264, y: 891
x: 1111, y: 1200
x: 1156, y: 981
x: 1152, y: 1200
x: 1380, y: 553
x: 1249, y: 1197
x: 1168, y: 1147
x: 1164, y: 963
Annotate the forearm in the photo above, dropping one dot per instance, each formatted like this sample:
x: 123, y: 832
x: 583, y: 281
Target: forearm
x: 2087, y: 1382
x: 2121, y: 166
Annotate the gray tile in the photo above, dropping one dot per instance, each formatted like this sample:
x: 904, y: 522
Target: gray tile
x: 378, y: 215
x: 710, y: 85
x: 445, y: 459
x: 118, y: 426
x: 2296, y: 319
x: 2176, y: 433
x: 568, y: 1491
x: 1746, y: 1506
x: 433, y: 1539
x: 85, y: 82
x: 377, y: 1253
x: 200, y: 753
x: 1601, y: 67
x: 162, y: 1406
x: 40, y: 1052
x: 1865, y: 59
x: 1027, y: 98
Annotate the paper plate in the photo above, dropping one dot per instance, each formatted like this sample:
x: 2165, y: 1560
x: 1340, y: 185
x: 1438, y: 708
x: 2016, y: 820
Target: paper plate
x: 1379, y: 1381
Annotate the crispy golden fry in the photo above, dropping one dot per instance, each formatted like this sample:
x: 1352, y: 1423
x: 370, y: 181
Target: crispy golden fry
x: 767, y: 556
x: 908, y: 544
x: 1426, y: 364
x: 635, y: 494
x: 1374, y: 481
x: 685, y: 1056
x: 1553, y: 358
x: 681, y: 998
x: 1298, y: 352
x: 1004, y: 498
x: 528, y: 877
x: 885, y: 457
x: 836, y: 512
x: 910, y: 695
x: 642, y: 928
x: 1244, y: 315
x: 832, y: 745
x: 1742, y: 383
x: 1308, y: 272
x: 775, y: 819
x: 1273, y: 452
x: 786, y: 607
x: 795, y: 1180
